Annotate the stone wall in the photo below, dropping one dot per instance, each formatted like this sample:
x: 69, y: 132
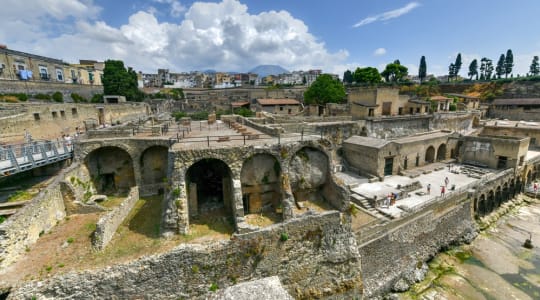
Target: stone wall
x: 393, y: 255
x: 397, y: 126
x: 34, y: 87
x: 51, y: 120
x: 30, y: 222
x: 107, y: 225
x: 532, y: 132
x: 314, y: 256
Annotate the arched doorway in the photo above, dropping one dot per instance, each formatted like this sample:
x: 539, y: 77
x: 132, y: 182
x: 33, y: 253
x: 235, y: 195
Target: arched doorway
x: 498, y: 197
x: 482, y: 206
x: 441, y: 152
x: 490, y: 203
x: 261, y: 187
x: 209, y: 188
x: 430, y: 155
x: 505, y: 192
x: 154, y: 169
x: 475, y: 122
x: 309, y: 174
x: 111, y: 170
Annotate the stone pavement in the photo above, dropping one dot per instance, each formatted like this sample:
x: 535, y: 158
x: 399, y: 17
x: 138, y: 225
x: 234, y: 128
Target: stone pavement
x: 418, y: 196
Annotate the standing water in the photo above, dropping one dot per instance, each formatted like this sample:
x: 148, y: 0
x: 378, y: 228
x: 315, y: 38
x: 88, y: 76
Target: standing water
x: 495, y: 265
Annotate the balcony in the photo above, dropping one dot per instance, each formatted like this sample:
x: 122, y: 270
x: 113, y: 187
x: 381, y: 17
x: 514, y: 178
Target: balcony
x: 44, y: 76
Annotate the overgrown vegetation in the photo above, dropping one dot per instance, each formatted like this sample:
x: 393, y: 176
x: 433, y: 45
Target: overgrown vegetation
x: 58, y: 97
x: 78, y: 98
x: 20, y: 196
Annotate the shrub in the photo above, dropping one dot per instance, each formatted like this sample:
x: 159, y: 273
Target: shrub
x: 42, y: 97
x: 97, y: 98
x: 2, y: 219
x: 78, y: 98
x: 201, y: 115
x: 58, y: 97
x: 179, y: 114
x: 70, y: 240
x: 284, y: 236
x: 214, y: 287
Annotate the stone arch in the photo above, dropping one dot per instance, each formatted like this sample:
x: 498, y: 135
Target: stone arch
x: 111, y: 170
x: 490, y: 203
x: 519, y: 186
x: 209, y: 188
x: 260, y: 178
x: 441, y: 152
x: 309, y: 175
x: 154, y: 163
x: 364, y: 131
x: 498, y: 197
x: 505, y: 192
x: 475, y: 122
x: 482, y: 206
x: 430, y: 155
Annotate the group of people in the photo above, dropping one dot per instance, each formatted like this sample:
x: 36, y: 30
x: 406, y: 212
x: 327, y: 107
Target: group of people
x: 443, y: 187
x: 390, y: 199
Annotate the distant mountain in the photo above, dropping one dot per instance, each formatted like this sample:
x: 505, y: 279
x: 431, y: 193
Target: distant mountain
x: 209, y: 71
x: 265, y: 70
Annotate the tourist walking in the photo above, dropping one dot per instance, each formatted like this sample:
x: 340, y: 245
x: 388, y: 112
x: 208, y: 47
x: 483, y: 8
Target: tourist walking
x: 446, y: 181
x: 443, y: 189
x: 428, y: 188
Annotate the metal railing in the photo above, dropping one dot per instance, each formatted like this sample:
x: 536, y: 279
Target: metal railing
x: 22, y: 157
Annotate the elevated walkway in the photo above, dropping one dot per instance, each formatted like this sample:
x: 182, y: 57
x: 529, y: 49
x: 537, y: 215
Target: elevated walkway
x: 23, y: 157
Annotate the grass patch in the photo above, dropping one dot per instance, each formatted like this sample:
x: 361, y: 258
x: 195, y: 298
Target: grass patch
x: 20, y: 196
x: 70, y: 240
x: 112, y: 201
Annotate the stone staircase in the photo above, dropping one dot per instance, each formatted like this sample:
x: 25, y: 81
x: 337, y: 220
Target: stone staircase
x: 364, y: 203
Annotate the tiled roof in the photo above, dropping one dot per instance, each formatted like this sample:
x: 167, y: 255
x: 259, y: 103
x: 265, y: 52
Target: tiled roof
x: 278, y: 102
x: 239, y: 103
x: 439, y: 98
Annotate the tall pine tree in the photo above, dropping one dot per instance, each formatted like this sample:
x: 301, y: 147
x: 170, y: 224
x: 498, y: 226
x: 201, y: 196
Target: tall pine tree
x: 422, y: 69
x: 508, y: 63
x: 473, y: 69
x: 534, y: 70
x: 457, y: 65
x: 500, y: 69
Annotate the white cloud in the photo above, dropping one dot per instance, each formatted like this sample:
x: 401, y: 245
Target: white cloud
x: 222, y: 36
x: 388, y: 15
x: 176, y: 8
x: 379, y: 52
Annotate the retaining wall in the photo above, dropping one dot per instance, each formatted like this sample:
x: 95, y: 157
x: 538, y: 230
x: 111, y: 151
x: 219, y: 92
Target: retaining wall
x: 393, y: 255
x: 318, y: 259
x: 25, y: 227
x: 33, y: 87
x: 107, y: 225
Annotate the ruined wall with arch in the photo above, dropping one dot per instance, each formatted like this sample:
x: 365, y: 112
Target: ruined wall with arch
x: 176, y: 217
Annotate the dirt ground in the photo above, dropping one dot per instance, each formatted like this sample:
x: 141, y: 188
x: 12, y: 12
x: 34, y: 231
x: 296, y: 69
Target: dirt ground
x: 67, y: 247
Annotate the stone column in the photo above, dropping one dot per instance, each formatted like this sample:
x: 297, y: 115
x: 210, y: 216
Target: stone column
x: 287, y: 197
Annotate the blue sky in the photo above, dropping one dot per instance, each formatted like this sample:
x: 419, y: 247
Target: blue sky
x: 232, y: 35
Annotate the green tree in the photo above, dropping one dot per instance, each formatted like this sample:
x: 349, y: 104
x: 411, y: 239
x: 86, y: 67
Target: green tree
x: 473, y: 69
x: 457, y: 65
x: 325, y: 89
x: 117, y: 80
x: 534, y: 69
x: 347, y: 77
x: 451, y: 71
x: 500, y: 68
x: 177, y: 94
x: 422, y: 69
x: 508, y: 63
x: 394, y: 72
x: 367, y: 75
x: 58, y: 97
x: 486, y: 68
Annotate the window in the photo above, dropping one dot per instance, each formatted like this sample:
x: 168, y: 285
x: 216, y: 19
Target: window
x: 54, y: 115
x: 73, y: 76
x: 74, y: 112
x: 59, y: 75
x: 36, y: 117
x: 502, y: 162
x: 281, y: 108
x: 371, y: 112
x: 43, y: 73
x: 63, y: 114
